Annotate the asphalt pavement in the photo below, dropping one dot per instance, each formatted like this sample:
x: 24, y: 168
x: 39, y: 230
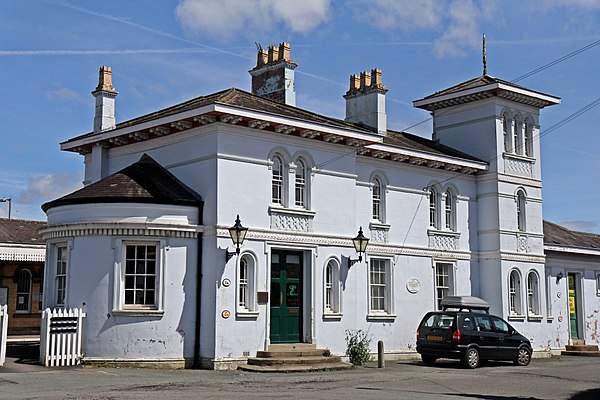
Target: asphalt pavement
x: 576, y: 378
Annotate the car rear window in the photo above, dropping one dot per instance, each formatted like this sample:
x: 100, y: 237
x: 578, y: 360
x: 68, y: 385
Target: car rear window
x: 439, y: 321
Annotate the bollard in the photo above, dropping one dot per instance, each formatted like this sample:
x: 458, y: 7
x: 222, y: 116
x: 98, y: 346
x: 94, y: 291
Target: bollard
x: 380, y: 355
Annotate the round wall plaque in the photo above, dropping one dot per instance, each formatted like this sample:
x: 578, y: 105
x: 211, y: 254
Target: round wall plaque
x: 226, y: 282
x: 225, y: 314
x: 413, y: 285
x: 560, y: 318
x: 558, y: 294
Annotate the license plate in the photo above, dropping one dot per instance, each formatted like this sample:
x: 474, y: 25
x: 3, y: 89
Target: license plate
x: 435, y: 338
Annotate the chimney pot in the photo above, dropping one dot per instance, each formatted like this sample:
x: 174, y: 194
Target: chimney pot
x: 273, y: 54
x: 284, y: 51
x: 261, y: 58
x: 376, y: 78
x: 365, y: 80
x: 354, y: 82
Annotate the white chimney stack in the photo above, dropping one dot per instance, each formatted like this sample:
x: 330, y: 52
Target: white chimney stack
x: 105, y: 94
x: 365, y: 100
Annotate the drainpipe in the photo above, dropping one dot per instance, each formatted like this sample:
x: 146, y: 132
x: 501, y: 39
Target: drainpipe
x: 197, y: 362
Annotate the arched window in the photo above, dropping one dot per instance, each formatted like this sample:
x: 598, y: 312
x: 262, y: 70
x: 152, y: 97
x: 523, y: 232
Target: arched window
x: 277, y: 181
x: 24, y: 291
x: 377, y: 214
x: 300, y: 184
x: 515, y: 133
x: 528, y: 138
x: 331, y: 288
x: 433, y: 208
x: 245, y: 285
x: 450, y: 210
x: 533, y: 293
x: 514, y: 293
x: 521, y: 217
x: 506, y: 133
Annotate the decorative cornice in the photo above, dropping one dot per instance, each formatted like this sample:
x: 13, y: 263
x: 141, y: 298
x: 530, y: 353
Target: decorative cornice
x: 508, y: 256
x: 119, y: 229
x: 304, y: 238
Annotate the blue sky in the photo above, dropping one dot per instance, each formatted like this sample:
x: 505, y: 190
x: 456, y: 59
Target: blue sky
x: 165, y: 52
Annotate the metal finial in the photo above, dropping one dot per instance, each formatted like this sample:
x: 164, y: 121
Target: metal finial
x: 484, y: 57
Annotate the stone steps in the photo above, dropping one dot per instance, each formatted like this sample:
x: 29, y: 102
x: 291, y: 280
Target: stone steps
x: 581, y: 350
x: 294, y: 358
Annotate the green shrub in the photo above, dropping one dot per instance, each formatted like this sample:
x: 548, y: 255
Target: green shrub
x: 357, y: 346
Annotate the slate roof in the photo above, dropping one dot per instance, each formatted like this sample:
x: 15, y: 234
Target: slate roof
x: 556, y: 235
x: 19, y: 231
x: 482, y: 80
x: 145, y: 181
x: 414, y: 142
x: 240, y: 98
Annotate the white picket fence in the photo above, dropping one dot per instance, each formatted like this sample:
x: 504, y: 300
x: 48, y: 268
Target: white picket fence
x: 60, y: 337
x: 3, y: 330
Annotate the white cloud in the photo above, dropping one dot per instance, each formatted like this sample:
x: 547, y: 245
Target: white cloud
x: 393, y: 14
x: 49, y: 187
x: 224, y: 18
x: 462, y: 32
x: 64, y: 94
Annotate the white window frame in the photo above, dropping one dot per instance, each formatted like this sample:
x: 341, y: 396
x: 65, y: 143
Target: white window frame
x: 332, y: 289
x: 60, y: 292
x: 444, y: 281
x: 515, y: 303
x: 278, y: 181
x: 120, y: 306
x: 377, y: 200
x: 301, y: 184
x: 450, y: 210
x: 507, y: 133
x: 434, y: 208
x: 27, y: 294
x: 528, y: 137
x: 515, y: 135
x: 533, y: 294
x: 378, y: 267
x: 598, y: 283
x: 521, y: 213
x: 246, y: 286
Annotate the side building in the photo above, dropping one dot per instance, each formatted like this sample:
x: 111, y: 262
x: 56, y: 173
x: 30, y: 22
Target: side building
x: 146, y: 247
x: 22, y: 256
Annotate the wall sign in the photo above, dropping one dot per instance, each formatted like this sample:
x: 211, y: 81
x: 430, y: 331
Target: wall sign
x: 413, y: 285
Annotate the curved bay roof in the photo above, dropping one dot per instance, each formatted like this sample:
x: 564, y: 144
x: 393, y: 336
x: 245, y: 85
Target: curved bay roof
x: 145, y: 181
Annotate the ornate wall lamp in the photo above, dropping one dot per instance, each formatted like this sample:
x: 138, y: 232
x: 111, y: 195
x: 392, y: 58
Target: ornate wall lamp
x: 238, y: 234
x: 360, y: 243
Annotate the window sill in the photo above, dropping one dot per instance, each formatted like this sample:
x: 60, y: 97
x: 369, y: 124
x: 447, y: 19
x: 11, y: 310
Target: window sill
x: 549, y: 318
x: 332, y: 316
x: 247, y: 314
x: 381, y: 317
x: 535, y: 318
x: 278, y: 209
x: 138, y: 313
x: 375, y: 224
x: 516, y: 156
x: 516, y: 318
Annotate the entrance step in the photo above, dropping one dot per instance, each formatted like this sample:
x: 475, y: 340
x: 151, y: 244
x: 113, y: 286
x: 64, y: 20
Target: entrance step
x: 294, y: 358
x: 582, y: 350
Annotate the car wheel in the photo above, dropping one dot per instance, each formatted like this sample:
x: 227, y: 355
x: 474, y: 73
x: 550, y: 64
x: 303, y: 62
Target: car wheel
x: 472, y: 358
x: 524, y: 357
x: 429, y: 360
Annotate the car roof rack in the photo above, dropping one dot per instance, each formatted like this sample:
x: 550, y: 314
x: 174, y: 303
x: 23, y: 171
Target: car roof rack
x: 468, y: 303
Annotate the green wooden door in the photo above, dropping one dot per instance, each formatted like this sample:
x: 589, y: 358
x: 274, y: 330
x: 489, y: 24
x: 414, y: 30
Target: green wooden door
x: 573, y: 306
x: 286, y: 297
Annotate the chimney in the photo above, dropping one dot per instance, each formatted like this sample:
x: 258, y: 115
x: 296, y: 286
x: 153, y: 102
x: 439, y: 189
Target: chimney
x: 365, y: 100
x: 105, y: 94
x: 273, y: 76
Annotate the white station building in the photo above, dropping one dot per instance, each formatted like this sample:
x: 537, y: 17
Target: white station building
x: 143, y: 247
